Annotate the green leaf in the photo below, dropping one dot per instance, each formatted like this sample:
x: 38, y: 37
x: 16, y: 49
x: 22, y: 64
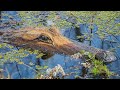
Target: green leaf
x: 40, y: 55
x: 0, y: 56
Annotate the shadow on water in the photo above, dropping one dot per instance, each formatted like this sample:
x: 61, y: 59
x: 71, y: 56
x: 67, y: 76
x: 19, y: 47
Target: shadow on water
x: 69, y: 64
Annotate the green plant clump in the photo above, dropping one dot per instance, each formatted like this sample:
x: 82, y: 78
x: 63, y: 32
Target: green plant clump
x: 98, y: 68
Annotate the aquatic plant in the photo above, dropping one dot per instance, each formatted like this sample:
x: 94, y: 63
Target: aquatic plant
x: 96, y: 67
x: 16, y: 55
x: 100, y: 70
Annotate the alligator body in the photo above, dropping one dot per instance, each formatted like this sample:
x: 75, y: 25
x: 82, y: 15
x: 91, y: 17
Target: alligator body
x: 49, y: 40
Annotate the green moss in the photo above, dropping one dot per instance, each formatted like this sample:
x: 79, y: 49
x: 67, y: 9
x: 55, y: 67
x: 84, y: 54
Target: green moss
x: 98, y: 68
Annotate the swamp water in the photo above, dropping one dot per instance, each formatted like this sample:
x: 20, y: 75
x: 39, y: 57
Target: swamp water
x: 69, y: 64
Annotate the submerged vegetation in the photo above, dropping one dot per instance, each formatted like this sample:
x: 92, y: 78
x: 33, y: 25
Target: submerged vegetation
x: 107, y: 24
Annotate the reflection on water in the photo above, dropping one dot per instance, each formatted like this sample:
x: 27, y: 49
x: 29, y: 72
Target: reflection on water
x: 69, y: 64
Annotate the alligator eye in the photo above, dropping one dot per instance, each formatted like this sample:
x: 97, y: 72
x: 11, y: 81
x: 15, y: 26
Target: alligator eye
x: 44, y: 38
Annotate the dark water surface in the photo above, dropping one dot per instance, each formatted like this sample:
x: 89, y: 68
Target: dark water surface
x: 69, y: 64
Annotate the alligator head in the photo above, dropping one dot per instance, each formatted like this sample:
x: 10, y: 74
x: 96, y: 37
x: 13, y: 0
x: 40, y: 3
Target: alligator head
x: 47, y: 40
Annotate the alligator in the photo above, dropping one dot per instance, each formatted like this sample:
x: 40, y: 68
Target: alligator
x: 50, y: 41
